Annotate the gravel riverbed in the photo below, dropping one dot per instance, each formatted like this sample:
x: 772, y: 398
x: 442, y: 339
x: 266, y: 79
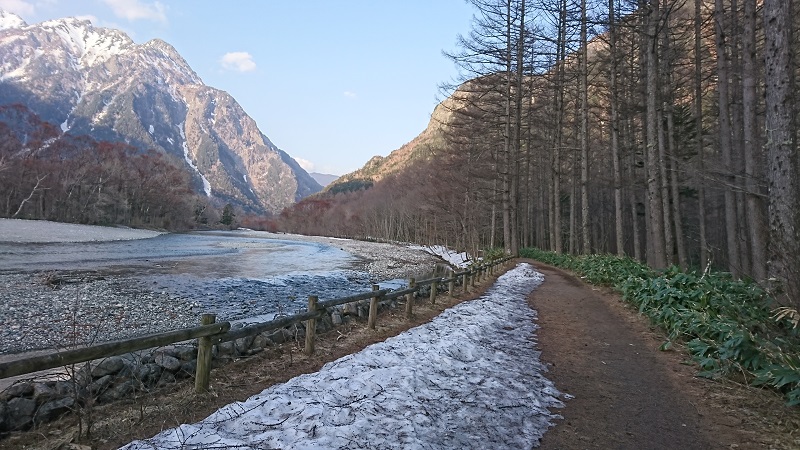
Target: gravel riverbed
x: 64, y: 308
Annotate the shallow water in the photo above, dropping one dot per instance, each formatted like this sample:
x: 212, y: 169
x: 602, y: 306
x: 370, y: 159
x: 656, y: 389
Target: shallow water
x: 235, y: 274
x: 214, y: 254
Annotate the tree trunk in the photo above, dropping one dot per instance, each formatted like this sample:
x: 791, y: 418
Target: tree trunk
x: 753, y: 167
x: 612, y: 33
x: 781, y: 147
x: 584, y: 74
x: 656, y: 257
x: 731, y: 231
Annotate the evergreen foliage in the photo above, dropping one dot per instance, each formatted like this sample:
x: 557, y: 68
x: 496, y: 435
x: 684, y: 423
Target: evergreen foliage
x: 727, y: 325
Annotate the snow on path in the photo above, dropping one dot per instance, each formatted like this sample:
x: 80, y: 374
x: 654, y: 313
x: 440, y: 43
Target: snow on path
x: 470, y: 378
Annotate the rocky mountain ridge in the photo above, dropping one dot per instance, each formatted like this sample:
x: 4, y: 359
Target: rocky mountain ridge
x: 97, y: 82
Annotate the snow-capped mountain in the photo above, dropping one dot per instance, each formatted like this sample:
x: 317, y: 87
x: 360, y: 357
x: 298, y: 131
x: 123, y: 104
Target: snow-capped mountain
x: 96, y: 81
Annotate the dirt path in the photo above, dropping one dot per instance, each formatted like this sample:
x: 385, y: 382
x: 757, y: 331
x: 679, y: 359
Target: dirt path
x: 628, y: 394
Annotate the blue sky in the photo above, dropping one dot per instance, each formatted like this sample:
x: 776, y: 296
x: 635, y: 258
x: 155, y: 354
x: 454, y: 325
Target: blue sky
x: 332, y: 83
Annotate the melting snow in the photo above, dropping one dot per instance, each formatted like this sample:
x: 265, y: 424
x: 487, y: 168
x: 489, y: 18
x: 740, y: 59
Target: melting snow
x: 470, y: 378
x: 458, y: 259
x: 151, y: 129
x: 206, y: 184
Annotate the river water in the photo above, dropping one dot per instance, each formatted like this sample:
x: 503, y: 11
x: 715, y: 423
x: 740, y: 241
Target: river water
x: 236, y: 274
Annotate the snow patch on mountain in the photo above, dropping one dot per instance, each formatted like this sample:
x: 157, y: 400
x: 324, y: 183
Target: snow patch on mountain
x: 188, y: 159
x: 10, y: 20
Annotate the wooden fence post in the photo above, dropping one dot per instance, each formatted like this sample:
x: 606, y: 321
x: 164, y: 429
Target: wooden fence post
x: 311, y: 325
x: 452, y: 285
x: 203, y: 371
x: 410, y: 300
x: 373, y: 309
x: 474, y: 276
x: 434, y: 289
x: 465, y: 282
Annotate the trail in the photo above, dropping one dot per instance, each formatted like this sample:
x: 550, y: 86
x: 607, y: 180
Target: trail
x: 468, y: 378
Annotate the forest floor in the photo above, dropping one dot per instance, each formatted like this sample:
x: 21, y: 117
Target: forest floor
x: 625, y: 392
x: 628, y: 394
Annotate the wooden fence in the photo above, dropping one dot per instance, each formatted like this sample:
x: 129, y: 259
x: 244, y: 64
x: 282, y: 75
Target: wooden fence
x: 210, y: 333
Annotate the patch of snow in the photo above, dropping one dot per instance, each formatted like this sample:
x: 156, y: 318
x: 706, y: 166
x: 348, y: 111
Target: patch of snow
x: 457, y: 259
x: 169, y: 139
x: 471, y: 377
x: 64, y: 126
x: 151, y: 129
x: 10, y: 20
x: 206, y: 184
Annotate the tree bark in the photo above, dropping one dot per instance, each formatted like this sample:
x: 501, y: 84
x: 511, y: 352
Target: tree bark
x: 781, y: 145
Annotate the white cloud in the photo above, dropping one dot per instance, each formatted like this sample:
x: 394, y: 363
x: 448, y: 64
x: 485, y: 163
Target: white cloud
x: 238, y: 61
x: 350, y: 94
x: 19, y: 7
x: 307, y: 165
x: 136, y: 10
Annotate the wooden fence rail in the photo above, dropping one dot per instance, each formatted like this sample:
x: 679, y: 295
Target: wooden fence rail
x: 211, y: 333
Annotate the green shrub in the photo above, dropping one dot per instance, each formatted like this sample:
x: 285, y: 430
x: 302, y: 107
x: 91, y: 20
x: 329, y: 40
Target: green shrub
x: 727, y: 325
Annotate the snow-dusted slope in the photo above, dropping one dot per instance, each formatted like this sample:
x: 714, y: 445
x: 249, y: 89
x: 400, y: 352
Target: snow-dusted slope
x: 97, y: 81
x: 471, y: 378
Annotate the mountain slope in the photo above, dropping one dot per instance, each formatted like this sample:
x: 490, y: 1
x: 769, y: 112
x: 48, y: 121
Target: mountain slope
x: 97, y: 82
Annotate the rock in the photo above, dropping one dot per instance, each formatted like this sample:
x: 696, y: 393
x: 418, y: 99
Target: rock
x: 148, y: 374
x: 186, y: 353
x: 336, y: 318
x: 350, y: 308
x: 279, y: 336
x: 262, y: 341
x: 119, y: 391
x: 226, y: 349
x: 168, y: 362
x: 43, y: 393
x: 166, y: 378
x: 64, y: 388
x: 188, y: 369
x: 20, y: 413
x: 54, y: 409
x: 99, y: 385
x: 243, y: 344
x: 108, y: 366
x: 3, y: 416
x: 18, y: 390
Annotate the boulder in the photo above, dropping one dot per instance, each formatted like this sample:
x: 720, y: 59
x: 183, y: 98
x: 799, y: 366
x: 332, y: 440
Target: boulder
x: 99, y: 385
x: 262, y: 341
x: 44, y: 392
x: 187, y: 370
x: 336, y: 318
x: 54, y: 409
x: 226, y: 349
x: 243, y: 344
x: 148, y: 374
x: 18, y: 390
x: 119, y: 391
x: 3, y: 416
x: 20, y: 413
x: 166, y: 378
x: 186, y: 352
x: 108, y: 366
x: 168, y: 362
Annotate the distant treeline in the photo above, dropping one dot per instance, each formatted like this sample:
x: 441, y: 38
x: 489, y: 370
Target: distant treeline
x: 46, y: 174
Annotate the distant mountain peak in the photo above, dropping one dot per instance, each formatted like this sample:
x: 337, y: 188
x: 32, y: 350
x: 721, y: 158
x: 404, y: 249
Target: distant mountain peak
x: 10, y: 20
x: 97, y: 82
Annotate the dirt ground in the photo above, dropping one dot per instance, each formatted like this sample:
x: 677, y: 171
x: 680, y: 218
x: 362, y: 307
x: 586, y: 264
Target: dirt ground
x: 630, y: 395
x: 627, y: 393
